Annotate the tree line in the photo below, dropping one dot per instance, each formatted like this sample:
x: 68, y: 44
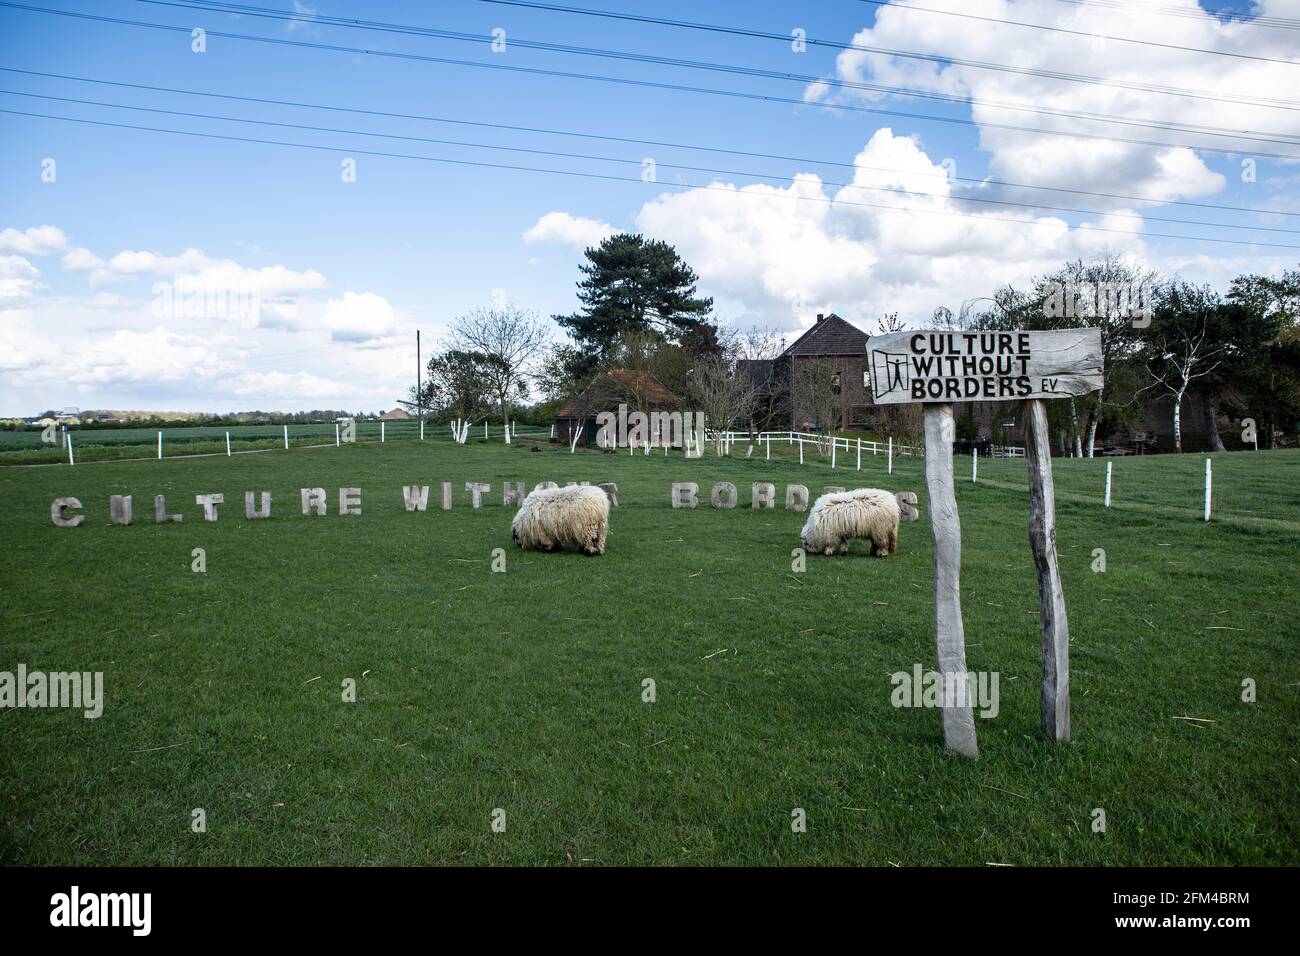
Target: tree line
x: 1164, y: 340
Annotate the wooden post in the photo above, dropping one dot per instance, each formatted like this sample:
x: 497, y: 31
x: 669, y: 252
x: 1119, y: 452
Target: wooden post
x: 70, y: 459
x: 160, y: 446
x: 1053, y: 629
x: 286, y: 437
x: 859, y: 454
x: 832, y: 451
x: 228, y: 443
x: 891, y: 454
x: 974, y: 465
x: 381, y: 431
x: 945, y: 529
x: 1108, y: 467
x: 801, y: 449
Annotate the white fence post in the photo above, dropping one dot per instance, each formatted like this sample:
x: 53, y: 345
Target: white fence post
x: 286, y: 437
x: 974, y: 465
x: 769, y: 447
x: 859, y: 454
x: 891, y: 454
x: 1209, y: 484
x: 1108, y: 467
x: 228, y: 443
x: 833, y: 446
x: 801, y: 449
x: 71, y: 461
x: 421, y: 429
x: 381, y: 431
x: 160, y: 446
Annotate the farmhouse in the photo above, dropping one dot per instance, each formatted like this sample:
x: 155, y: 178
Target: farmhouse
x: 832, y: 340
x: 639, y: 390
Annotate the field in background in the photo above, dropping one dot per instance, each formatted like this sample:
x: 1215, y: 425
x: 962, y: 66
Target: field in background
x: 105, y: 444
x: 523, y: 690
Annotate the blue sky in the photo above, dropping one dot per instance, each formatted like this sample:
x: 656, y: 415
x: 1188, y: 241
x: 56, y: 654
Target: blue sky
x: 350, y: 269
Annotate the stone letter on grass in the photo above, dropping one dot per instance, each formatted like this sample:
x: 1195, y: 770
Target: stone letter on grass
x: 512, y: 495
x: 253, y: 514
x: 723, y: 495
x: 611, y: 492
x: 62, y: 520
x: 763, y: 495
x: 416, y: 498
x: 349, y: 501
x: 209, y: 503
x: 796, y: 491
x: 313, y: 501
x: 119, y: 509
x: 685, y: 494
x: 446, y: 496
x: 477, y: 490
x: 160, y: 510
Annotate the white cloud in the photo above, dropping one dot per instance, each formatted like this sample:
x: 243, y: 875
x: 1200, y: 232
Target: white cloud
x: 358, y: 317
x: 1162, y: 172
x: 570, y: 230
x: 82, y: 260
x: 788, y: 252
x: 17, y: 280
x: 37, y: 241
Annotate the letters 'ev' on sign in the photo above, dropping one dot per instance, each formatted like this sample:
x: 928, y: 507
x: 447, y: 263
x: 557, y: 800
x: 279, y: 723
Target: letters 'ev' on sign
x: 956, y: 366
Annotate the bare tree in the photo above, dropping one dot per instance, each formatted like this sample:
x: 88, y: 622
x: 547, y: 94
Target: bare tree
x: 724, y: 397
x: 816, y: 387
x: 1181, y: 346
x: 512, y: 339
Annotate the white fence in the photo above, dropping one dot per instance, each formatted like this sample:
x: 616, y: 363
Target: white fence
x: 838, y: 443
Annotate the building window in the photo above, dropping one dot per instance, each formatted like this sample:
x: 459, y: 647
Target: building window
x: 835, y: 383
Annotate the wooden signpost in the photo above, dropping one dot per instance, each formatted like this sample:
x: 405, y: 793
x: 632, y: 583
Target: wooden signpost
x: 939, y: 368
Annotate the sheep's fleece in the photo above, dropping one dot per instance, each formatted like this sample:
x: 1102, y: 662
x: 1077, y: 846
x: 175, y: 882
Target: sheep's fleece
x: 551, y: 518
x: 836, y: 518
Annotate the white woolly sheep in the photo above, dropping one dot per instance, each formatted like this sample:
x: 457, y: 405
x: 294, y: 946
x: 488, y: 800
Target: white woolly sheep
x: 551, y: 518
x: 863, y: 513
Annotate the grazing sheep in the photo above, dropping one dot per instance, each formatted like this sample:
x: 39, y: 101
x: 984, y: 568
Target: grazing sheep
x: 864, y: 513
x: 551, y: 518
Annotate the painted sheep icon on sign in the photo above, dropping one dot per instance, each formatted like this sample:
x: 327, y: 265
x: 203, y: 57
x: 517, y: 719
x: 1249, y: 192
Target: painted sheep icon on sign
x: 938, y: 368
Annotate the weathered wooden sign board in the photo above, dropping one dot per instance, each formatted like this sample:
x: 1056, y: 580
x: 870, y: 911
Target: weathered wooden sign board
x: 983, y: 366
x: 941, y: 367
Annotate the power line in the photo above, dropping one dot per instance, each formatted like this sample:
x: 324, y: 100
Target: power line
x: 406, y: 29
x: 632, y: 179
x: 1081, y: 33
x: 906, y: 54
x: 1263, y: 210
x: 188, y: 114
x: 736, y: 94
x: 1283, y: 23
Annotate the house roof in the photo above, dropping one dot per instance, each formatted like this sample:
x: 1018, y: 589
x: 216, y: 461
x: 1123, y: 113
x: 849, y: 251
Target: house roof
x: 615, y: 385
x: 396, y: 415
x: 830, y: 335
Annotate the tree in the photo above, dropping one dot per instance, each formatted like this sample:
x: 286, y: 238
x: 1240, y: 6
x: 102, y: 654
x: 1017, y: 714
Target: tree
x: 1262, y: 365
x: 1105, y: 292
x: 816, y: 387
x: 455, y: 385
x: 633, y: 283
x: 512, y: 340
x: 724, y: 397
x: 1182, y: 344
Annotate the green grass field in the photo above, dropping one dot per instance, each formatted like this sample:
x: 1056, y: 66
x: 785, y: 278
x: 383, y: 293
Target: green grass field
x: 523, y: 690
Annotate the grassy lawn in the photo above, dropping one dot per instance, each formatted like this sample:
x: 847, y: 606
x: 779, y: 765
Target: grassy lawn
x: 523, y: 690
